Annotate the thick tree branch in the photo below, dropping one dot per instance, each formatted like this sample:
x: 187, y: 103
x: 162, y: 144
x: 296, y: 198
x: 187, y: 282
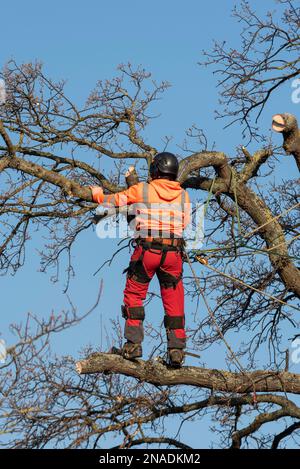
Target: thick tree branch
x: 233, y: 184
x: 70, y: 161
x: 204, y: 159
x: 154, y: 441
x: 7, y: 140
x: 287, y: 409
x: 156, y: 373
x: 254, y: 162
x: 273, y: 234
x: 260, y: 420
x: 70, y: 187
x: 286, y: 432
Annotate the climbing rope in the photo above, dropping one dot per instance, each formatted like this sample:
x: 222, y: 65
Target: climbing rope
x: 204, y: 261
x: 209, y: 196
x: 234, y: 184
x: 284, y: 212
x: 283, y: 242
x: 241, y: 282
x: 219, y: 331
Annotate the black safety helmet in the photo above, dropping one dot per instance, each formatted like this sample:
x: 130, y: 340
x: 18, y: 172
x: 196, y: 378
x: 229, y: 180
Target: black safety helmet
x: 164, y: 164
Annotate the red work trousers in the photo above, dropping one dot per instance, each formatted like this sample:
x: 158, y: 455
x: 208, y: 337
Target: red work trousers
x: 168, y: 267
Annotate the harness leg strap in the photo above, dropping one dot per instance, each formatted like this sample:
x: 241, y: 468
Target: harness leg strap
x: 136, y: 270
x: 167, y: 280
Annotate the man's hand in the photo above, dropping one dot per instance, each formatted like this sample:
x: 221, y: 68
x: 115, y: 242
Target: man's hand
x: 130, y: 170
x: 97, y: 193
x: 93, y: 189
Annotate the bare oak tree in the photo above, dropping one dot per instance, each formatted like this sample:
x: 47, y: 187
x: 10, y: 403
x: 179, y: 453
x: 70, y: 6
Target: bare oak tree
x: 52, y: 150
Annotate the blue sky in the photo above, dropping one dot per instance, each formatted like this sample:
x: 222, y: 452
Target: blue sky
x: 84, y: 42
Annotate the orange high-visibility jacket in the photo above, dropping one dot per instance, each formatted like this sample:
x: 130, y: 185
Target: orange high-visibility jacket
x: 161, y: 207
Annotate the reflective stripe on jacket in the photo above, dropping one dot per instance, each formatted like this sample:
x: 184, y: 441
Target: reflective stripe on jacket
x: 161, y: 207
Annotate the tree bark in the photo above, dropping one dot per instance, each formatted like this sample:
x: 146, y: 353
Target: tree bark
x: 273, y: 235
x: 155, y: 372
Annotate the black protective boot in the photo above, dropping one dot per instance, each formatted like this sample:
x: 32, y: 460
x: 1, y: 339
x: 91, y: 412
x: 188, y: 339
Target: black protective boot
x: 176, y: 357
x: 131, y: 350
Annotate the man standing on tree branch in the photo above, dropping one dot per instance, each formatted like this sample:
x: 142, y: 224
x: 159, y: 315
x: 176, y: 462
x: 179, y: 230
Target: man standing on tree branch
x: 162, y: 211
